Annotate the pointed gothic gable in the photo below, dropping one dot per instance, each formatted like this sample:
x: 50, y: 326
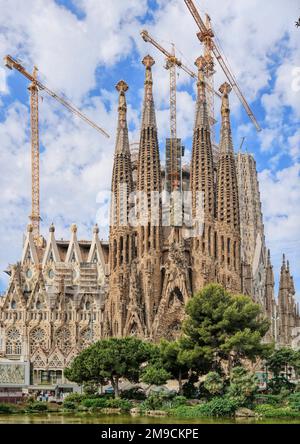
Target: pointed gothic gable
x: 51, y: 253
x: 73, y: 253
x: 39, y: 359
x: 37, y: 295
x: 56, y: 359
x: 96, y: 254
x: 29, y: 253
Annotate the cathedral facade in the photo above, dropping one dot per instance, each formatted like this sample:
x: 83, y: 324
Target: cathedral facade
x: 64, y: 295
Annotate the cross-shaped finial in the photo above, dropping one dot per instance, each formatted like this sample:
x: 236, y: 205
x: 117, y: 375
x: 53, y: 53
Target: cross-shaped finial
x: 122, y: 86
x: 225, y: 89
x: 200, y: 63
x: 148, y: 61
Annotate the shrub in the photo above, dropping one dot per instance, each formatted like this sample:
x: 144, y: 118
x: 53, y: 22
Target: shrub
x: 220, y: 406
x: 274, y: 400
x: 92, y: 403
x: 214, y: 383
x: 178, y: 401
x: 279, y: 383
x: 117, y: 403
x: 243, y: 386
x: 135, y: 393
x: 294, y: 401
x: 270, y: 411
x: 7, y: 408
x: 158, y: 401
x: 75, y: 397
x: 216, y: 407
x: 69, y: 405
x: 38, y: 406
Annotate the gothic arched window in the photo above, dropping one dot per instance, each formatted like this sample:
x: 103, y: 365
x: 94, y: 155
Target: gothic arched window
x: 63, y: 340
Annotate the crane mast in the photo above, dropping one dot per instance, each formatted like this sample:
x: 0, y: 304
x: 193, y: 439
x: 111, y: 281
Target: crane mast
x: 34, y: 88
x: 35, y: 157
x: 206, y: 36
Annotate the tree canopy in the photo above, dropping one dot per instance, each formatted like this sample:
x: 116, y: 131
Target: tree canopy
x: 222, y: 326
x: 110, y: 360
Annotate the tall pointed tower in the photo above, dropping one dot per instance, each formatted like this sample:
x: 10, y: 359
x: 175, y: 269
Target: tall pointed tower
x: 270, y: 307
x: 287, y: 309
x: 228, y: 220
x: 121, y: 236
x: 203, y: 189
x: 149, y: 203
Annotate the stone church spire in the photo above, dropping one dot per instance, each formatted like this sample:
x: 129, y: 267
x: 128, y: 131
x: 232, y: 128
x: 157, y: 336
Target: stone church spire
x: 149, y: 203
x: 202, y: 172
x: 228, y: 245
x: 202, y: 186
x: 288, y: 316
x: 121, y: 237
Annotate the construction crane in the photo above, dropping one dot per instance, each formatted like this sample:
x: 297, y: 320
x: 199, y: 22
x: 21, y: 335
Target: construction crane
x: 34, y: 88
x: 206, y: 36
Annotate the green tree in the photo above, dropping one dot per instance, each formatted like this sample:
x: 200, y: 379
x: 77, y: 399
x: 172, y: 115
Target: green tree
x: 110, y: 360
x: 222, y: 326
x: 243, y: 386
x: 176, y: 360
x: 214, y: 383
x: 155, y: 375
x: 280, y: 359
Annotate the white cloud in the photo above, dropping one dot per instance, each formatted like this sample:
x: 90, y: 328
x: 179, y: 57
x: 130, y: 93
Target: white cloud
x: 280, y: 194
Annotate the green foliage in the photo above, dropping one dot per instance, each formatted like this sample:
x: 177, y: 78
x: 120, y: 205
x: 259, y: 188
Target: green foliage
x: 69, y: 405
x: 219, y: 406
x: 122, y: 404
x: 214, y: 383
x: 279, y: 383
x: 189, y: 390
x: 270, y: 411
x: 294, y: 401
x: 7, y: 408
x: 93, y: 403
x: 135, y: 393
x: 175, y: 358
x: 158, y: 401
x: 74, y: 397
x: 153, y: 374
x: 275, y: 400
x: 90, y: 388
x: 280, y: 358
x: 243, y: 386
x: 111, y: 359
x: 220, y: 325
x: 38, y: 406
x: 106, y: 402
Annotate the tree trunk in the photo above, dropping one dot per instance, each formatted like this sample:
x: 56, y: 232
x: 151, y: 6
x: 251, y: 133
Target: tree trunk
x: 180, y: 382
x: 115, y: 385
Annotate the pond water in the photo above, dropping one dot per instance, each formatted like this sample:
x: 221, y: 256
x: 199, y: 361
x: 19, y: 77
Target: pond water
x: 55, y: 418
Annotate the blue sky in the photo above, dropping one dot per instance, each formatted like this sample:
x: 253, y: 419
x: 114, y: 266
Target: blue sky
x: 84, y: 47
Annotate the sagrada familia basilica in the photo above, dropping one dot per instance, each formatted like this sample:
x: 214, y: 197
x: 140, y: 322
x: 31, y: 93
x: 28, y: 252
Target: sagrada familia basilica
x: 65, y: 294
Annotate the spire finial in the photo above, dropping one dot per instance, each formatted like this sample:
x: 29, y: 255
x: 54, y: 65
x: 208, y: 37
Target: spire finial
x: 148, y: 61
x: 122, y: 86
x: 201, y: 65
x: 148, y: 118
x: 52, y: 228
x: 96, y: 229
x: 74, y: 228
x: 283, y: 260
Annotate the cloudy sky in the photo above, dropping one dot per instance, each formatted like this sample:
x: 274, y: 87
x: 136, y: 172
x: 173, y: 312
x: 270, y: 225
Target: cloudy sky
x: 83, y: 47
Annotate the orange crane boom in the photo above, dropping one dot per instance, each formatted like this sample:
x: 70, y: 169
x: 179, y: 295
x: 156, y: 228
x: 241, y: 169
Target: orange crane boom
x: 34, y: 88
x: 206, y: 35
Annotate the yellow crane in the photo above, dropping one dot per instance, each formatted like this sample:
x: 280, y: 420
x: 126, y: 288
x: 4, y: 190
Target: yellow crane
x: 211, y: 48
x: 172, y: 62
x: 34, y: 88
